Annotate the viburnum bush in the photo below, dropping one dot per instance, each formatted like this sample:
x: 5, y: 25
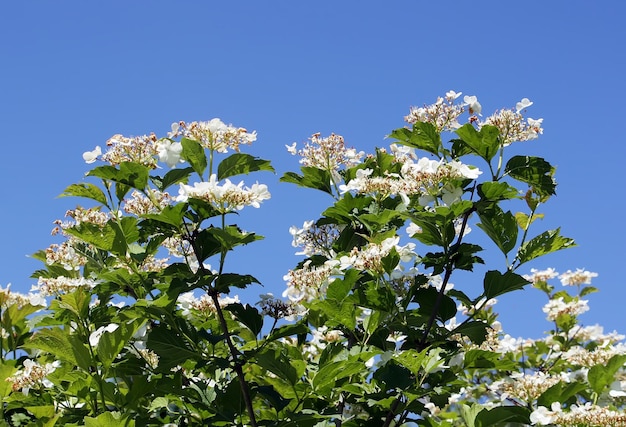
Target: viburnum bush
x: 134, y: 321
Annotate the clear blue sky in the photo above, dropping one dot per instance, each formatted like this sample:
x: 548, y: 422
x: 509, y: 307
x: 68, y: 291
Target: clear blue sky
x: 74, y: 73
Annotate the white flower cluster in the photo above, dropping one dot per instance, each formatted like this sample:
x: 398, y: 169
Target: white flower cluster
x: 53, y: 286
x: 371, y: 256
x: 313, y: 239
x: 213, y: 134
x: 138, y: 204
x: 426, y: 178
x: 444, y: 116
x: 32, y: 375
x: 190, y: 304
x: 444, y: 113
x: 558, y: 306
x: 225, y: 197
x: 328, y: 153
x: 587, y: 414
x: 569, y: 278
x: 9, y: 298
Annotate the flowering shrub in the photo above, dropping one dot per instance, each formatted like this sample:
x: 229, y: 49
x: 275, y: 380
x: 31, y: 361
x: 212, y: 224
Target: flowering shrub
x: 133, y: 320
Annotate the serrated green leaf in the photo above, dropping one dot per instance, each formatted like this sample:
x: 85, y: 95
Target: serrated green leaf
x: 484, y: 142
x: 496, y: 283
x: 172, y: 177
x: 194, y: 154
x: 423, y: 136
x: 225, y: 280
x: 247, y: 315
x: 475, y: 330
x: 502, y: 415
x: 560, y: 392
x: 534, y: 171
x: 411, y: 359
x: 170, y: 346
x: 239, y: 163
x: 63, y: 346
x: 500, y: 226
x: 330, y: 373
x: 602, y: 375
x: 494, y: 191
x: 129, y: 174
x: 87, y: 190
x: 311, y: 178
x: 543, y: 244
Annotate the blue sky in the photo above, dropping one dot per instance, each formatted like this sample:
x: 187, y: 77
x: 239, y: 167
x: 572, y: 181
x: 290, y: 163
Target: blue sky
x: 75, y: 73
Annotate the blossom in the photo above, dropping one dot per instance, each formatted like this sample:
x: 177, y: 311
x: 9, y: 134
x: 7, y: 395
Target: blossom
x: 557, y: 307
x: 225, y: 197
x: 94, y: 337
x: 189, y: 303
x: 443, y: 114
x: 92, y: 156
x: 139, y: 149
x: 52, y: 286
x: 33, y: 375
x: 473, y: 104
x: 214, y: 134
x: 169, y: 152
x: 329, y: 153
x: 523, y: 104
x: 577, y: 278
x: 541, y: 275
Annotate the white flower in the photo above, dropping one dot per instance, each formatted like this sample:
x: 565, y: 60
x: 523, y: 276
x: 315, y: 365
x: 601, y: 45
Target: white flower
x: 292, y: 148
x: 524, y: 103
x: 452, y: 95
x: 474, y: 105
x: 92, y: 156
x: 169, y: 152
x: 413, y: 229
x: 95, y: 336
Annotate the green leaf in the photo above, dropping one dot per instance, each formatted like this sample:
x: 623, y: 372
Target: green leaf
x: 278, y: 363
x: 225, y: 280
x: 109, y: 419
x: 247, y: 315
x: 172, y: 177
x: 534, y: 171
x: 171, y: 347
x: 560, y: 392
x: 287, y: 330
x: 239, y: 163
x: 475, y: 330
x: 423, y: 136
x: 495, y: 191
x: 524, y: 221
x: 427, y: 297
x: 100, y: 237
x: 330, y: 373
x: 130, y: 174
x: 339, y: 288
x: 111, y: 343
x: 311, y: 178
x: 126, y: 232
x: 171, y: 215
x: 87, y: 190
x: 194, y: 153
x: 602, y: 375
x: 485, y: 142
x: 502, y: 415
x: 496, y: 283
x: 61, y: 345
x: 547, y: 242
x: 411, y: 359
x: 501, y: 227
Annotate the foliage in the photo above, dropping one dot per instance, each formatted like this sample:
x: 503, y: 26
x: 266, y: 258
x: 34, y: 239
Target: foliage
x: 130, y: 324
